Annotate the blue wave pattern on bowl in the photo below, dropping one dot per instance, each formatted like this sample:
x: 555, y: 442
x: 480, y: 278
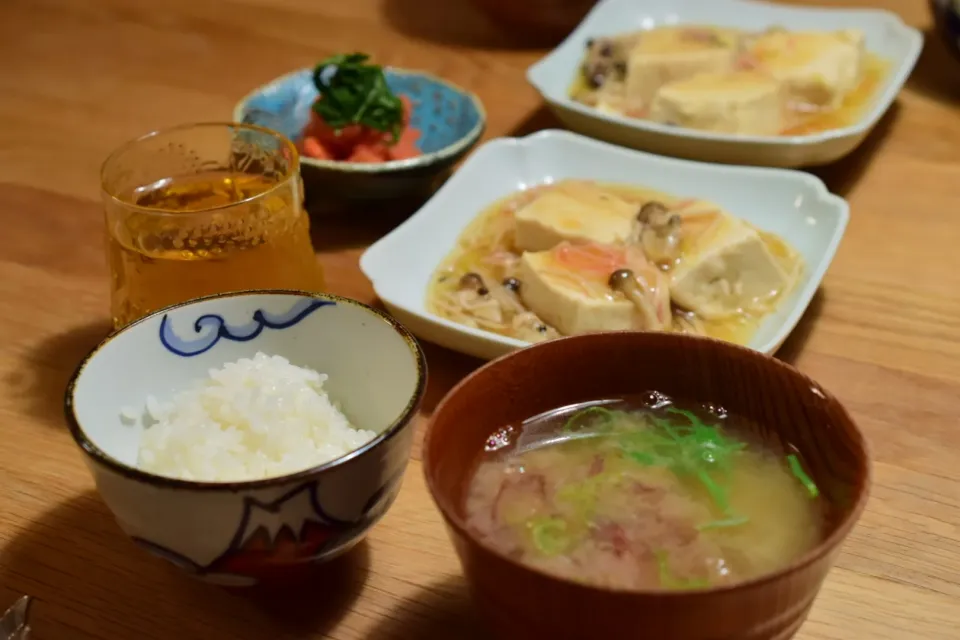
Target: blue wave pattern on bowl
x: 443, y: 114
x: 220, y: 329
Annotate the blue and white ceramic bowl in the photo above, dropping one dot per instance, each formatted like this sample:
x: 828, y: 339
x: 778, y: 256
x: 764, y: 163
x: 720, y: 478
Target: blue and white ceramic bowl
x: 243, y: 533
x: 450, y: 120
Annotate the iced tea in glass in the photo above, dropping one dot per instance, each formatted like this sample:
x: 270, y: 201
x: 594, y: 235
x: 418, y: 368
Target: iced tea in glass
x: 203, y: 209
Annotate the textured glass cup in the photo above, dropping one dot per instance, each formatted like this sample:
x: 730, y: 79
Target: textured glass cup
x: 201, y: 209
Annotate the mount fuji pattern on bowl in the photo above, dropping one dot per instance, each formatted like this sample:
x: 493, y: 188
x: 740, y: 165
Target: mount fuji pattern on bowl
x: 273, y: 536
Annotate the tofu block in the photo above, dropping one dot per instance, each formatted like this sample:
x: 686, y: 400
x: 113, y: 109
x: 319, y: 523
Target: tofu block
x: 573, y: 211
x: 816, y: 68
x: 727, y: 271
x: 744, y: 102
x: 567, y: 307
x: 668, y: 54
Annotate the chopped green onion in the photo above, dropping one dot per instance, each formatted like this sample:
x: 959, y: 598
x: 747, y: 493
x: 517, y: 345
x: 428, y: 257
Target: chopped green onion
x: 691, y: 450
x: 668, y: 428
x: 802, y: 476
x: 716, y: 492
x: 667, y: 579
x: 572, y: 420
x: 723, y: 524
x: 663, y: 564
x: 642, y: 457
x: 549, y: 535
x: 689, y: 415
x: 582, y: 495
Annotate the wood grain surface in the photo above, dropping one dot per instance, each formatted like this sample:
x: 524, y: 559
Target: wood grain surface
x: 79, y: 78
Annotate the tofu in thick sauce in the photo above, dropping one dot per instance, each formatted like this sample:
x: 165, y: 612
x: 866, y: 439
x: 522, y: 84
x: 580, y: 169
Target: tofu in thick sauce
x: 569, y: 287
x: 723, y: 80
x: 746, y: 102
x: 576, y: 211
x: 727, y: 271
x: 816, y: 68
x: 667, y: 55
x: 578, y: 257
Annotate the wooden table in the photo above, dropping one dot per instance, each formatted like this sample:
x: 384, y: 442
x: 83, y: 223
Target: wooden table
x: 79, y: 78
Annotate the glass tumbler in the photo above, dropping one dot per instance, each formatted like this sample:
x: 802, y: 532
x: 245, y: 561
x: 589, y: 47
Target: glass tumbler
x: 202, y: 209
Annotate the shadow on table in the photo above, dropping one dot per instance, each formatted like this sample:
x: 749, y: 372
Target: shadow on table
x: 452, y: 23
x: 537, y: 120
x: 935, y: 75
x: 842, y: 176
x: 797, y: 340
x: 89, y: 580
x: 41, y: 379
x: 446, y: 369
x: 441, y: 611
x: 355, y: 229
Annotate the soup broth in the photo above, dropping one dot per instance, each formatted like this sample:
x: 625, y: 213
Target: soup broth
x: 644, y: 494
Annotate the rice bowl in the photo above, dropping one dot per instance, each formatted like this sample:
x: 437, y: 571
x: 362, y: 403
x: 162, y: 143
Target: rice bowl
x: 261, y: 425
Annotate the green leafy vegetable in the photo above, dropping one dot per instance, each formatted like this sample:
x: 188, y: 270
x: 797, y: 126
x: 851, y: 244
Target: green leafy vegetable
x: 667, y: 579
x: 802, y: 476
x: 718, y: 493
x: 582, y: 496
x: 549, y: 535
x: 698, y: 450
x: 642, y: 457
x: 723, y: 524
x: 353, y: 92
x: 689, y: 415
x: 577, y: 419
x: 689, y: 448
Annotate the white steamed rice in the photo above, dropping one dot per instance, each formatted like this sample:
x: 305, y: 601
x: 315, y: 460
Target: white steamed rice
x: 254, y: 418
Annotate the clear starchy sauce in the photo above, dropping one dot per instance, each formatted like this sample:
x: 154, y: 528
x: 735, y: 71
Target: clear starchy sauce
x: 643, y: 493
x: 797, y: 117
x: 488, y: 247
x: 854, y: 105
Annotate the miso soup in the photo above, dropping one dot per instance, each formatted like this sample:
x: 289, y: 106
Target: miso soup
x: 644, y: 494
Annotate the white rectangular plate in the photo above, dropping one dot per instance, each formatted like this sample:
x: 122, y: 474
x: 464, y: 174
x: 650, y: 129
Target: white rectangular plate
x: 794, y: 205
x: 886, y: 35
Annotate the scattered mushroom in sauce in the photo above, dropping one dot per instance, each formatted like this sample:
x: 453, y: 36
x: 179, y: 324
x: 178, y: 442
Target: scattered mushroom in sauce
x: 658, y: 231
x: 564, y: 258
x: 624, y: 281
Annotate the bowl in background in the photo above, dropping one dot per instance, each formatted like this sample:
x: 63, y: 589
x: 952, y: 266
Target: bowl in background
x: 450, y: 119
x: 525, y: 603
x: 886, y: 35
x: 242, y: 533
x: 537, y: 20
x: 946, y: 19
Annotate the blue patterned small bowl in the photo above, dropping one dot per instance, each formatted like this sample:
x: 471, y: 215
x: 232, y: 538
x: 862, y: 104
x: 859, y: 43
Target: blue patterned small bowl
x: 262, y: 530
x: 946, y: 16
x: 450, y: 119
